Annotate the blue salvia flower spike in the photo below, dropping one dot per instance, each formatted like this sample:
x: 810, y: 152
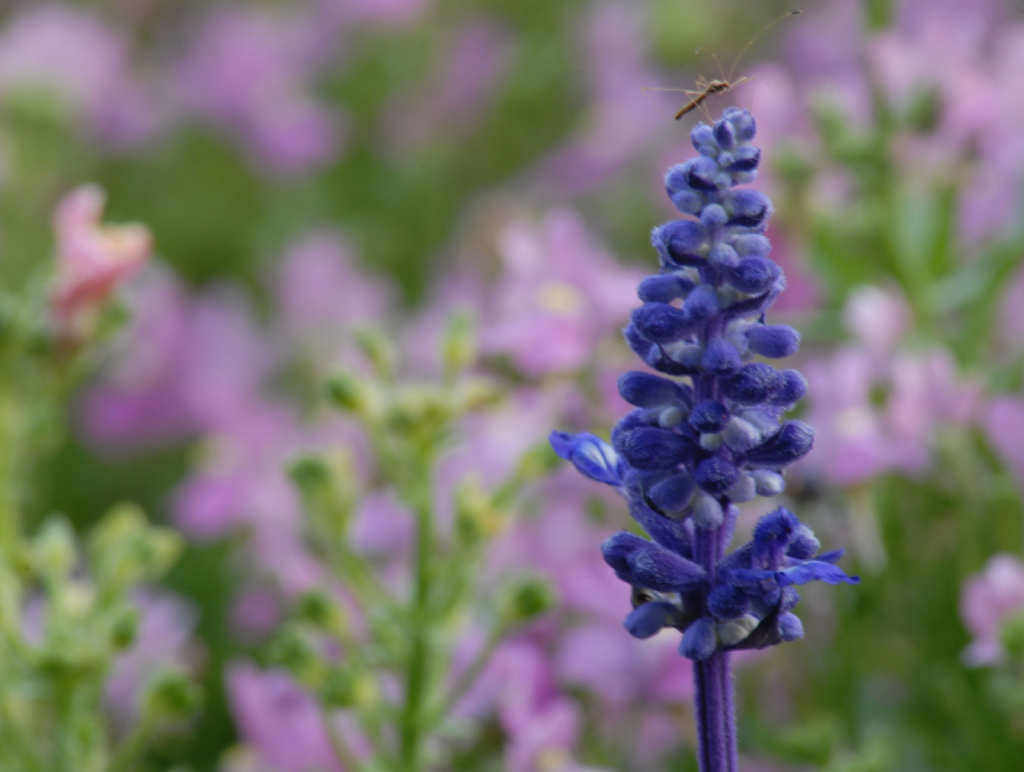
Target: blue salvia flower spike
x: 708, y: 431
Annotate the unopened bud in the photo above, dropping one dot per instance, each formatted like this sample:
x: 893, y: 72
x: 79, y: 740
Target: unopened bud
x: 379, y: 350
x: 527, y: 599
x: 458, y: 348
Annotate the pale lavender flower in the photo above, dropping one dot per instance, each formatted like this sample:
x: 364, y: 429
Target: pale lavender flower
x: 1004, y: 424
x: 559, y: 295
x: 249, y: 72
x: 383, y: 13
x: 322, y: 294
x: 858, y: 439
x: 69, y: 52
x: 279, y: 720
x: 622, y: 118
x: 987, y: 599
x: 467, y: 77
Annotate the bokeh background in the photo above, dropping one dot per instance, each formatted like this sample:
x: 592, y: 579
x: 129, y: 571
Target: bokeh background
x: 308, y: 167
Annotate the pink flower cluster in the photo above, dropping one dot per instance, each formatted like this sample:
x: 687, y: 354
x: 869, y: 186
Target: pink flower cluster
x: 860, y: 436
x: 987, y: 599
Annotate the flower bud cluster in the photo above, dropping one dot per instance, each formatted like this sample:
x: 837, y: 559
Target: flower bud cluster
x: 710, y: 430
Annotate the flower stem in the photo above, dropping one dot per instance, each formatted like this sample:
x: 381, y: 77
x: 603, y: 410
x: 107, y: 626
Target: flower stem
x: 417, y: 666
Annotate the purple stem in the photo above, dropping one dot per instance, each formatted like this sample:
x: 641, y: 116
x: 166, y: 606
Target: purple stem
x: 712, y: 677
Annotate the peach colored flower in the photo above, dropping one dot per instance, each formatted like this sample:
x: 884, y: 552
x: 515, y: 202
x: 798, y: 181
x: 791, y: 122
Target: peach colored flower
x: 92, y: 258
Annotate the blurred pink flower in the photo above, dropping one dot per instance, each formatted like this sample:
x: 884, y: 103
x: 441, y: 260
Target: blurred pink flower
x: 540, y: 723
x: 468, y: 75
x: 385, y: 13
x: 988, y: 598
x: 163, y: 641
x: 970, y: 58
x: 857, y: 438
x: 622, y: 117
x: 69, y: 52
x: 279, y: 720
x: 322, y: 295
x: 559, y: 295
x: 248, y: 72
x: 1004, y: 424
x: 92, y: 258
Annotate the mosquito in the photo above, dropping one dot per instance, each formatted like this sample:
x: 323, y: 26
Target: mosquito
x: 706, y: 89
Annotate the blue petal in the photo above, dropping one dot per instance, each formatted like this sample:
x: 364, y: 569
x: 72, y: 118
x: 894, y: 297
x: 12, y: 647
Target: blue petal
x: 814, y: 570
x: 592, y: 456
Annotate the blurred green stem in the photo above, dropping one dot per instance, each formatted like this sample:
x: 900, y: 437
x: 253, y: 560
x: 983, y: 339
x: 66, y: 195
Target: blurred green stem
x: 417, y: 666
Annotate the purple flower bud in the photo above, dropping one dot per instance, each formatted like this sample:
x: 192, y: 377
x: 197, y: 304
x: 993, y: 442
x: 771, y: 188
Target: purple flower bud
x: 723, y: 256
x: 742, y: 123
x: 664, y: 288
x: 748, y: 208
x: 647, y: 390
x: 699, y: 640
x: 701, y: 173
x: 744, y: 159
x: 775, y: 530
x: 773, y: 341
x: 655, y: 448
x: 707, y: 512
x: 709, y: 416
x: 716, y: 475
x: 752, y: 385
x: 728, y: 601
x: 713, y: 216
x: 640, y: 345
x: 703, y: 138
x: 792, y: 442
x: 753, y: 275
x: 673, y: 494
x: 662, y: 323
x: 702, y: 303
x: 720, y: 357
x: 681, y: 242
x: 790, y: 627
x: 617, y: 548
x: 725, y: 134
x: 658, y: 569
x: 791, y: 388
x: 648, y: 618
x: 752, y: 245
x: 805, y: 544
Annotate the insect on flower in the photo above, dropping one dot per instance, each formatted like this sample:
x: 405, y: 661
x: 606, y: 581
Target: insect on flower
x: 706, y: 88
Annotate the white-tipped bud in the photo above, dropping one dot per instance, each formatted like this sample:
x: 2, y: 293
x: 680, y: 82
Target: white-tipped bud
x: 707, y: 512
x: 685, y: 353
x: 669, y: 417
x: 711, y: 441
x: 734, y: 631
x: 742, y: 490
x: 739, y: 435
x: 768, y: 483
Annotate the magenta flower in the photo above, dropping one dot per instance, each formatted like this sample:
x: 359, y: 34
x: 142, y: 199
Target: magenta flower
x: 987, y: 599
